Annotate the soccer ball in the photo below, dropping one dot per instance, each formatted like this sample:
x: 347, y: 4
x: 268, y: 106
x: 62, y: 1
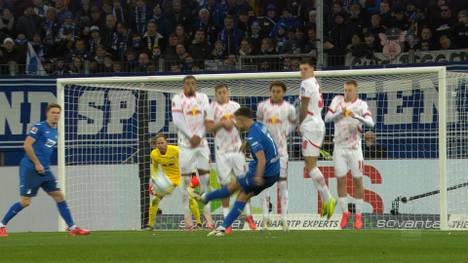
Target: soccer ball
x: 161, y: 185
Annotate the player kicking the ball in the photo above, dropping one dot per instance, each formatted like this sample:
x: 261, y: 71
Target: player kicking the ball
x: 262, y: 173
x: 312, y: 129
x: 229, y: 160
x: 349, y: 114
x: 189, y: 110
x: 165, y: 177
x: 279, y: 117
x: 35, y: 171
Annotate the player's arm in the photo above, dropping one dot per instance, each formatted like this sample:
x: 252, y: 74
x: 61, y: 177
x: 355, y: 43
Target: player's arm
x: 366, y: 117
x: 334, y: 113
x: 303, y: 108
x: 210, y: 124
x: 206, y: 108
x: 28, y: 148
x: 259, y: 114
x: 261, y: 163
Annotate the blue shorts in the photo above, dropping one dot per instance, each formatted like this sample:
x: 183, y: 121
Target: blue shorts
x: 247, y: 183
x: 31, y: 181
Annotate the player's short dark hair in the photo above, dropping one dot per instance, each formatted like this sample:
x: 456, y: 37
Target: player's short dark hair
x: 351, y: 82
x: 244, y: 112
x: 157, y: 136
x: 279, y: 84
x: 53, y: 105
x: 220, y: 86
x: 308, y: 61
x: 189, y: 77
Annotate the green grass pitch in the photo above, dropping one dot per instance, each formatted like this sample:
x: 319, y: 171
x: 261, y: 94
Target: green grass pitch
x: 246, y: 246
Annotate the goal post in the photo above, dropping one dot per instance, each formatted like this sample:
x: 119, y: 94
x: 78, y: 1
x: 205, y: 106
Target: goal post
x: 102, y: 141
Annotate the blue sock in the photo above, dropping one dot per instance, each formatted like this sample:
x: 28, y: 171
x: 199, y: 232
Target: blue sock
x: 234, y: 213
x: 12, y: 212
x: 217, y: 194
x: 65, y: 213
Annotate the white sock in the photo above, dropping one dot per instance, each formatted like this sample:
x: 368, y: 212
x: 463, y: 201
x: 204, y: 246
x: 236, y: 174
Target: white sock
x: 343, y: 203
x: 283, y: 190
x: 2, y: 225
x: 359, y: 204
x: 248, y: 209
x: 72, y: 227
x: 225, y: 211
x: 266, y: 205
x: 320, y: 184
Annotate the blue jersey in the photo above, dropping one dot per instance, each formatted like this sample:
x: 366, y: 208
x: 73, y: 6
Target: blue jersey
x: 259, y: 139
x: 44, y: 146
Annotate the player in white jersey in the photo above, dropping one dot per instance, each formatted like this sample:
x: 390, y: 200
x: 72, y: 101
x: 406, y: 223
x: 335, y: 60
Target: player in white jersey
x: 229, y: 160
x: 279, y: 117
x: 312, y: 129
x: 189, y: 110
x: 349, y: 114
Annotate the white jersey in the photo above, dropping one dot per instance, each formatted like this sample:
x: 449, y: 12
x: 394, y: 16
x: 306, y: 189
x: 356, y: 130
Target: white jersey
x: 225, y: 141
x: 310, y: 89
x: 194, y: 109
x: 347, y: 129
x: 279, y: 119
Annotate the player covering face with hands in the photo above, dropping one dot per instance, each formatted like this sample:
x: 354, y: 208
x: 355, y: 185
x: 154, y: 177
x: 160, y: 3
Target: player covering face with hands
x: 262, y: 172
x: 35, y: 172
x: 349, y: 114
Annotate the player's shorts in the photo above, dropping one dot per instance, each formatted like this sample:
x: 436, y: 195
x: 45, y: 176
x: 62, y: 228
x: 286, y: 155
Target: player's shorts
x: 348, y: 159
x: 284, y: 166
x: 311, y: 142
x: 247, y: 183
x: 228, y: 164
x: 31, y: 181
x: 191, y: 159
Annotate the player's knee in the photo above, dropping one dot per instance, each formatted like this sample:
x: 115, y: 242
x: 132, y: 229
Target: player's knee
x: 25, y: 201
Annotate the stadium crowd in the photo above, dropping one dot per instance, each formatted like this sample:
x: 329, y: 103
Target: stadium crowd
x: 106, y: 36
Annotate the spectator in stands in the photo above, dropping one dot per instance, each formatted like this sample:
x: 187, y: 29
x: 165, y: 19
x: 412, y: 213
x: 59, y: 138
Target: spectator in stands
x: 445, y: 43
x: 310, y: 45
x: 69, y: 30
x: 356, y: 48
x: 444, y: 22
x: 217, y: 11
x: 356, y: 19
x: 119, y: 12
x: 131, y: 62
x: 178, y: 16
x: 83, y: 15
x: 372, y: 44
x: 117, y: 67
x: 37, y: 45
x: 99, y: 57
x: 95, y: 39
x: 143, y: 62
x: 107, y: 65
x: 108, y: 31
x: 77, y: 67
x: 385, y: 14
x: 138, y: 16
x: 280, y: 38
x: 12, y: 56
x: 40, y: 8
x: 200, y: 49
x: 218, y: 51
x: 160, y: 21
x: 50, y: 28
x: 255, y: 37
x: 460, y: 31
x: 372, y: 150
x: 203, y: 23
x: 399, y: 19
x: 29, y: 23
x: 268, y: 21
x: 97, y: 19
x: 245, y: 48
x: 340, y: 34
x: 153, y: 41
x: 267, y: 49
x: 182, y: 37
x: 375, y: 27
x: 7, y: 22
x: 426, y: 39
x: 244, y: 22
x: 80, y: 50
x: 182, y: 57
x: 59, y: 68
x: 230, y: 36
x: 62, y: 10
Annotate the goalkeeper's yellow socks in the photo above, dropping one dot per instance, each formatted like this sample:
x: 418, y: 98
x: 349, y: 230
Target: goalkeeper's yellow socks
x: 193, y: 204
x: 153, y: 210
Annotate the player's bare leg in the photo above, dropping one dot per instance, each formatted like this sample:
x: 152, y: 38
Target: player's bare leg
x: 248, y: 216
x: 343, y: 200
x: 283, y: 192
x: 205, y: 188
x: 186, y: 181
x: 359, y: 194
x: 328, y: 203
x: 62, y: 206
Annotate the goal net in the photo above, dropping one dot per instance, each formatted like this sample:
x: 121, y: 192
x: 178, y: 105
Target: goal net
x: 414, y: 170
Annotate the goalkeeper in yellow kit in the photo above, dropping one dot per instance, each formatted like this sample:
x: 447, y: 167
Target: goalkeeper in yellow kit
x: 165, y: 177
